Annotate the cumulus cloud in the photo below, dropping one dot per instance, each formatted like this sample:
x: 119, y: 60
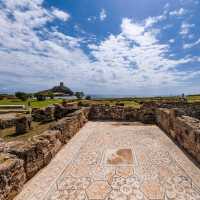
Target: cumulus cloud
x: 179, y: 12
x: 150, y: 21
x: 92, y: 18
x: 172, y: 40
x: 103, y: 15
x: 185, y: 29
x: 190, y: 45
x: 133, y: 61
x: 33, y: 53
x: 135, y: 57
x: 60, y: 14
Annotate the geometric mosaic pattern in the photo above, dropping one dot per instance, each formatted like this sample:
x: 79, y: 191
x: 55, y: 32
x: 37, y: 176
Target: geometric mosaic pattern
x: 126, y: 163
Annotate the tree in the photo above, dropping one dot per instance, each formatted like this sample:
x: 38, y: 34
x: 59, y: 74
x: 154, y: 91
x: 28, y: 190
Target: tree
x: 79, y: 95
x: 22, y: 95
x: 40, y: 96
x: 51, y: 95
x: 88, y: 97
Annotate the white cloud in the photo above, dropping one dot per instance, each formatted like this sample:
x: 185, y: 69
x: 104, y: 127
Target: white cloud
x: 185, y: 29
x: 40, y: 55
x: 150, y: 21
x: 172, y: 40
x: 135, y: 57
x: 190, y: 45
x: 134, y: 61
x: 178, y: 13
x: 103, y: 15
x: 60, y: 14
x: 92, y: 18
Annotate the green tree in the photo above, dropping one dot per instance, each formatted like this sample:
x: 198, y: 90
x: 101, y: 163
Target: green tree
x: 88, y: 97
x: 40, y: 96
x: 51, y: 95
x: 22, y: 95
x: 79, y: 95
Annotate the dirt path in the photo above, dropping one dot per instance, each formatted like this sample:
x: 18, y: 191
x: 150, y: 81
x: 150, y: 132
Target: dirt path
x: 121, y: 161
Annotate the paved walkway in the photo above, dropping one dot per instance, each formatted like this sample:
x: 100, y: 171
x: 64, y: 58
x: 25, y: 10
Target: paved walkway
x: 121, y: 161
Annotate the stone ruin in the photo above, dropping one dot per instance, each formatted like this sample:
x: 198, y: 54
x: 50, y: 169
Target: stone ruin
x: 21, y: 160
x: 23, y: 124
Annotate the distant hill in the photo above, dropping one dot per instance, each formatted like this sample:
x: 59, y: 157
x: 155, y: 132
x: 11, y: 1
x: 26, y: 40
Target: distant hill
x: 60, y: 90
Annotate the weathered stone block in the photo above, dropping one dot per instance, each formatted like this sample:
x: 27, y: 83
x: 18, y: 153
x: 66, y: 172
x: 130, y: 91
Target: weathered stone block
x: 27, y: 152
x: 47, y: 145
x: 44, y: 114
x: 23, y: 124
x: 12, y: 176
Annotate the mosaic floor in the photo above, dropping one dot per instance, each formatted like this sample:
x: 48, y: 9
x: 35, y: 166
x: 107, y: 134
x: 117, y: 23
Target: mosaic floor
x: 122, y: 161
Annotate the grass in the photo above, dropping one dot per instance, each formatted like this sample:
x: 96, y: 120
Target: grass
x: 9, y: 134
x: 126, y: 103
x: 193, y: 98
x: 132, y: 102
x: 37, y: 128
x: 34, y: 102
x: 48, y: 102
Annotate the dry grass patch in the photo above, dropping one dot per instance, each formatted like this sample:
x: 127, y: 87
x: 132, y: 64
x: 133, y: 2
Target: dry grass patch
x: 37, y: 128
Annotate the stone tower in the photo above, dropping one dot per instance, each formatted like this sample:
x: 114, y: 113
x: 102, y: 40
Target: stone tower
x: 61, y: 84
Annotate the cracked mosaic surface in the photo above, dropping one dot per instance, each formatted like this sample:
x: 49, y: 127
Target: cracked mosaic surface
x: 124, y: 163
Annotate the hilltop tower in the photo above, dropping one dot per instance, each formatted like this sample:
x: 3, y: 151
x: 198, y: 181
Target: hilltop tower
x: 61, y: 84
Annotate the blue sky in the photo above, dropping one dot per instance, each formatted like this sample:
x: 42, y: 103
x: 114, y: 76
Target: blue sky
x: 116, y: 47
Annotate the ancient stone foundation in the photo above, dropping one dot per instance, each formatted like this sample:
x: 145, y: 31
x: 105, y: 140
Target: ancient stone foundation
x: 6, y: 123
x: 12, y: 176
x: 21, y: 160
x: 23, y: 124
x: 121, y: 113
x: 176, y: 119
x: 27, y: 158
x: 183, y: 129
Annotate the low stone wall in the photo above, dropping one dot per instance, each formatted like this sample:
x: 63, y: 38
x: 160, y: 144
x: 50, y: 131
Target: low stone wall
x: 183, y: 108
x: 184, y: 130
x: 71, y: 124
x: 22, y: 160
x: 12, y: 176
x: 38, y: 151
x: 7, y: 123
x: 52, y: 113
x: 121, y: 113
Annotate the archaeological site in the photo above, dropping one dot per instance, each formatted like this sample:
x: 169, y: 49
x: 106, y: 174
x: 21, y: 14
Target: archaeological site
x: 104, y: 152
x: 99, y: 99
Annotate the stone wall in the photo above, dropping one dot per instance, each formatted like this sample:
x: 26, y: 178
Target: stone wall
x: 184, y: 108
x: 121, y: 113
x: 7, y: 123
x: 183, y: 129
x: 12, y: 176
x: 71, y: 124
x: 20, y: 160
x: 37, y: 152
x: 23, y: 124
x: 52, y: 113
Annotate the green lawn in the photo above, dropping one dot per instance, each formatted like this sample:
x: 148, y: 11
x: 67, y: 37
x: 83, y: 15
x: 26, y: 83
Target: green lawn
x: 133, y: 102
x: 193, y: 98
x: 41, y: 104
x: 34, y: 102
